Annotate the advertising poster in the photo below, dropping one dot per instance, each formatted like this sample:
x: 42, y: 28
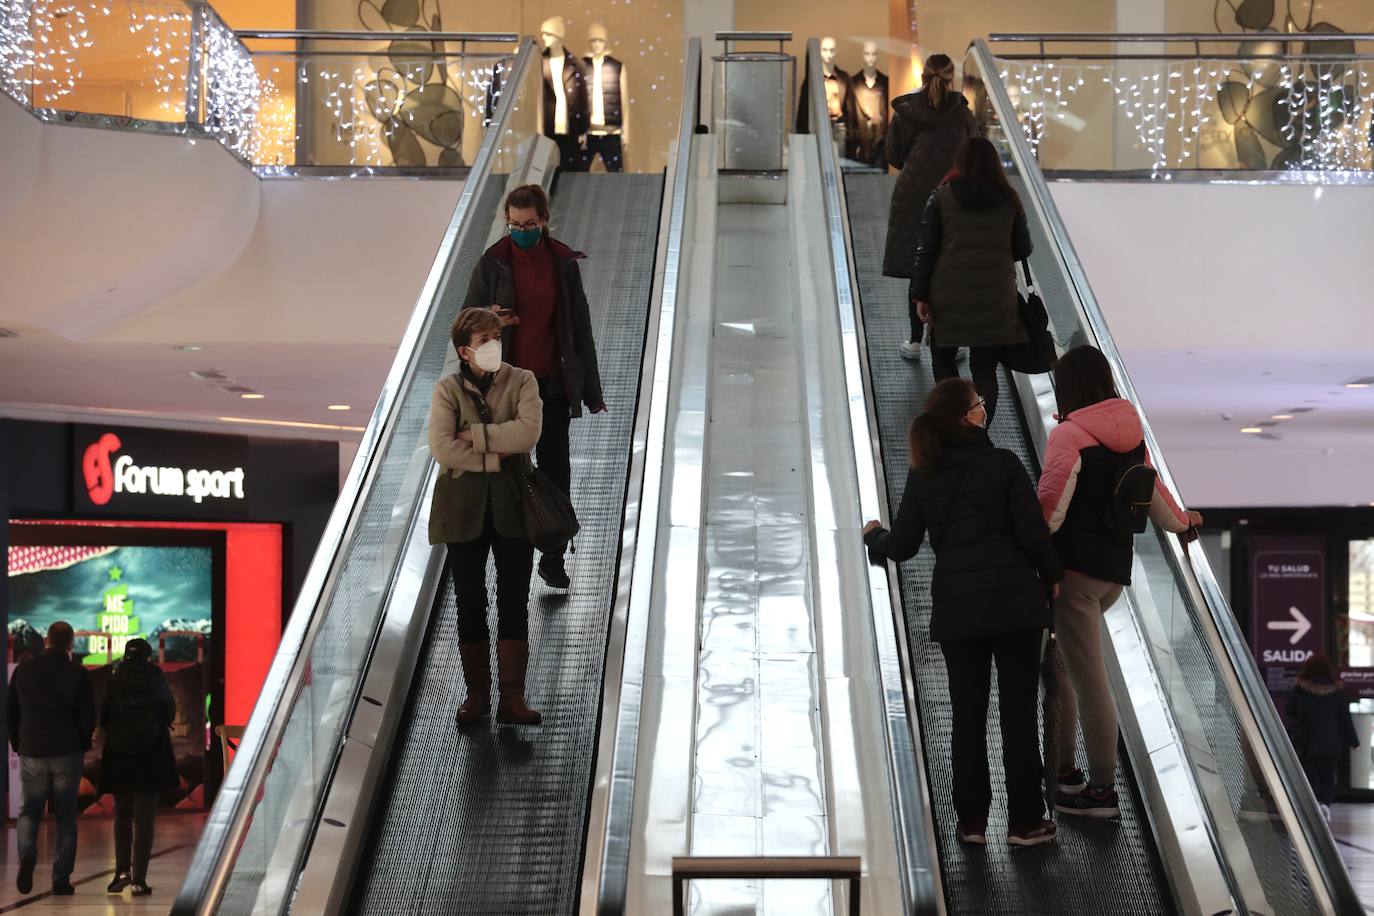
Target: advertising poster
x: 1287, y: 606
x: 110, y: 595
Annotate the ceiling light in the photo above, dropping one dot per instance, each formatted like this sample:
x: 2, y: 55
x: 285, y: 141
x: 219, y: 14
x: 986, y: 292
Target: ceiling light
x: 189, y: 348
x: 252, y: 396
x: 340, y: 407
x: 1251, y: 429
x: 1282, y: 416
x: 1357, y: 384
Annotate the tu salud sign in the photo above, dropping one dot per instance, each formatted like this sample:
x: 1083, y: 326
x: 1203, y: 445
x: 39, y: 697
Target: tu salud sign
x: 126, y: 472
x: 1287, y: 606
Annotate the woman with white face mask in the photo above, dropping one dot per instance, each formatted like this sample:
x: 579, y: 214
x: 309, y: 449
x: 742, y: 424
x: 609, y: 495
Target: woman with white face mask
x: 995, y: 568
x: 483, y: 418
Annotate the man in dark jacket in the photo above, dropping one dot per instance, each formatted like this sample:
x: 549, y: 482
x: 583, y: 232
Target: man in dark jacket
x: 51, y: 719
x: 532, y: 281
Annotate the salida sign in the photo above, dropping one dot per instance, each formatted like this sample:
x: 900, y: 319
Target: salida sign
x: 1288, y: 604
x: 146, y: 472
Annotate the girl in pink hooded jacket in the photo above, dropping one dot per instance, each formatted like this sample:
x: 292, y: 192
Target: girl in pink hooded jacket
x: 1096, y: 427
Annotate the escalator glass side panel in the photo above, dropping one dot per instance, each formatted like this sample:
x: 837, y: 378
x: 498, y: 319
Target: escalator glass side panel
x: 1262, y: 818
x: 492, y: 818
x: 250, y: 852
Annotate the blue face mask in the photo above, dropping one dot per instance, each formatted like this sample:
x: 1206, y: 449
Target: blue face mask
x: 526, y: 238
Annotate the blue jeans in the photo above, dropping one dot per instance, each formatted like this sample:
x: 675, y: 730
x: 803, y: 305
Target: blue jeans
x: 57, y: 779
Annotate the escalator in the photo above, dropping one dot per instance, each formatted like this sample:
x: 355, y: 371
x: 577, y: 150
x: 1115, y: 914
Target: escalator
x: 353, y: 790
x: 1216, y: 814
x: 1099, y: 866
x: 485, y: 819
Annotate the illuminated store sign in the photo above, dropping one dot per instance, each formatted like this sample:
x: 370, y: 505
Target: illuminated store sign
x: 146, y: 472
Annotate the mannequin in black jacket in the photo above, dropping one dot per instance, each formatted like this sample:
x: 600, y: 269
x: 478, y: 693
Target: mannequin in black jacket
x: 995, y: 567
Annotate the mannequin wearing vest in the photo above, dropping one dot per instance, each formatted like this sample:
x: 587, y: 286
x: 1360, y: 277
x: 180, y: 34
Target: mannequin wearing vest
x: 609, y: 126
x: 565, y: 110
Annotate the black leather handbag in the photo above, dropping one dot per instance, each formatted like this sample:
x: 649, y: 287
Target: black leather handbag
x: 1038, y: 354
x: 550, y: 521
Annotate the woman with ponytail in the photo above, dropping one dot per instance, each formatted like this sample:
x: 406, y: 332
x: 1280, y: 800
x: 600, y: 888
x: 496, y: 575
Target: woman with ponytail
x: 927, y: 127
x: 995, y: 570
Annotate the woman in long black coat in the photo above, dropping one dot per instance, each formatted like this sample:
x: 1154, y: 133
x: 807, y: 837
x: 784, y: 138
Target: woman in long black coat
x: 137, y: 764
x: 927, y: 128
x: 994, y: 569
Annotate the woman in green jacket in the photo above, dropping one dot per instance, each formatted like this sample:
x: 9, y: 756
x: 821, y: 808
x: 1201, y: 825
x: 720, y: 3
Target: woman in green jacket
x: 483, y: 418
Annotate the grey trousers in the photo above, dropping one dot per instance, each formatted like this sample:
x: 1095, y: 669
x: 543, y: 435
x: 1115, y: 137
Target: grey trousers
x: 1087, y: 697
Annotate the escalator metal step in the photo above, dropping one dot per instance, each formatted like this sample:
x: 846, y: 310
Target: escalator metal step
x: 1094, y: 867
x: 491, y: 820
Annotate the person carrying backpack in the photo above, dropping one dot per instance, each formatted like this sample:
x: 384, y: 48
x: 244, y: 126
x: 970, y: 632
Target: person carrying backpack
x: 1097, y: 491
x: 994, y: 571
x: 137, y: 763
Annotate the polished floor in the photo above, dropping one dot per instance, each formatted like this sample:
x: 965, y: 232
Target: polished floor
x: 1353, y: 828
x: 175, y: 842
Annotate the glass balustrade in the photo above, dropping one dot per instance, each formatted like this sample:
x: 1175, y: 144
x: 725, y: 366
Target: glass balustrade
x: 176, y: 66
x: 1304, y: 107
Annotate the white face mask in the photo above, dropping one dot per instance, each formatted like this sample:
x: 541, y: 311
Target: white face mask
x: 488, y: 356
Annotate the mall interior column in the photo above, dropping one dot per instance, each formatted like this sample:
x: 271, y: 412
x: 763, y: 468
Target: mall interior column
x: 1135, y: 16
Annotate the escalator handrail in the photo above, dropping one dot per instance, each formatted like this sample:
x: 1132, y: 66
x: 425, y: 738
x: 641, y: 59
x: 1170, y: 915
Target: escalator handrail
x: 1264, y: 731
x: 230, y: 816
x: 918, y: 859
x: 651, y: 427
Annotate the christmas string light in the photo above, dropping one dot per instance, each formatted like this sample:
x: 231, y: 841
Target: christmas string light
x: 1321, y: 120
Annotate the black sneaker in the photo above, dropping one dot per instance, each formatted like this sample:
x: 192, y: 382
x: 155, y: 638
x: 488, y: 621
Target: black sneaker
x: 553, y: 573
x: 975, y: 833
x: 1097, y: 801
x: 121, y: 881
x: 24, y: 881
x: 63, y: 890
x: 1071, y: 781
x: 1032, y: 835
x: 140, y: 889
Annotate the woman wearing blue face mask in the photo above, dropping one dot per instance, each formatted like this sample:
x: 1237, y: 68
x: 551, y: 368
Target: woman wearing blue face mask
x: 482, y: 418
x: 533, y: 282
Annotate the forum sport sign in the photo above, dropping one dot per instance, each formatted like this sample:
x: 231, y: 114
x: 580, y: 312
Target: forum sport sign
x: 148, y: 472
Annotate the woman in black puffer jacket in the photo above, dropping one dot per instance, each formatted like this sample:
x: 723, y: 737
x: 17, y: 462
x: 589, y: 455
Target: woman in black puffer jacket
x: 994, y: 570
x: 137, y: 763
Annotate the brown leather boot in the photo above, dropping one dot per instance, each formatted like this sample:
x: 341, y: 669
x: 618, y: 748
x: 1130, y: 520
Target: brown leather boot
x: 476, y: 658
x: 512, y: 657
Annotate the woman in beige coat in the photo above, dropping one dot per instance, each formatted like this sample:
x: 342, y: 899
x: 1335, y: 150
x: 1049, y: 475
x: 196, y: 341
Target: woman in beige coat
x: 482, y: 419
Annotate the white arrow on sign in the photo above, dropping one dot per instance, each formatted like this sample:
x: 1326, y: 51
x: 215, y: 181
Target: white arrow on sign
x: 1300, y: 625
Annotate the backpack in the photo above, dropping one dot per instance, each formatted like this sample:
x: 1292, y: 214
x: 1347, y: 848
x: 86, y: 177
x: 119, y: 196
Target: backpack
x: 1126, y: 509
x: 137, y: 723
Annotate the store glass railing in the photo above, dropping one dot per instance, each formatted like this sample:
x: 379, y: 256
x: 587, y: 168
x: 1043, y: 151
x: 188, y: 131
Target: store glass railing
x: 1298, y: 104
x: 278, y: 100
x: 260, y: 825
x: 1260, y: 816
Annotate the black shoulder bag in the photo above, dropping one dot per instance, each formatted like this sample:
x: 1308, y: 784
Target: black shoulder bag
x: 1038, y: 353
x: 550, y: 521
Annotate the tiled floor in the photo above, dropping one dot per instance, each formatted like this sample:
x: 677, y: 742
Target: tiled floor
x: 175, y: 841
x: 1353, y: 828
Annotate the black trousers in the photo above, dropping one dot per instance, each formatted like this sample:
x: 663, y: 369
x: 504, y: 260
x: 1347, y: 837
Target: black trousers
x: 1321, y: 773
x: 135, y: 814
x: 968, y: 663
x: 609, y: 148
x: 552, y: 454
x: 982, y: 364
x: 571, y: 157
x: 467, y: 566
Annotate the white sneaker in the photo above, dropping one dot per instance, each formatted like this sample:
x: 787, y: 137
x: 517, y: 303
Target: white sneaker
x: 910, y: 349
